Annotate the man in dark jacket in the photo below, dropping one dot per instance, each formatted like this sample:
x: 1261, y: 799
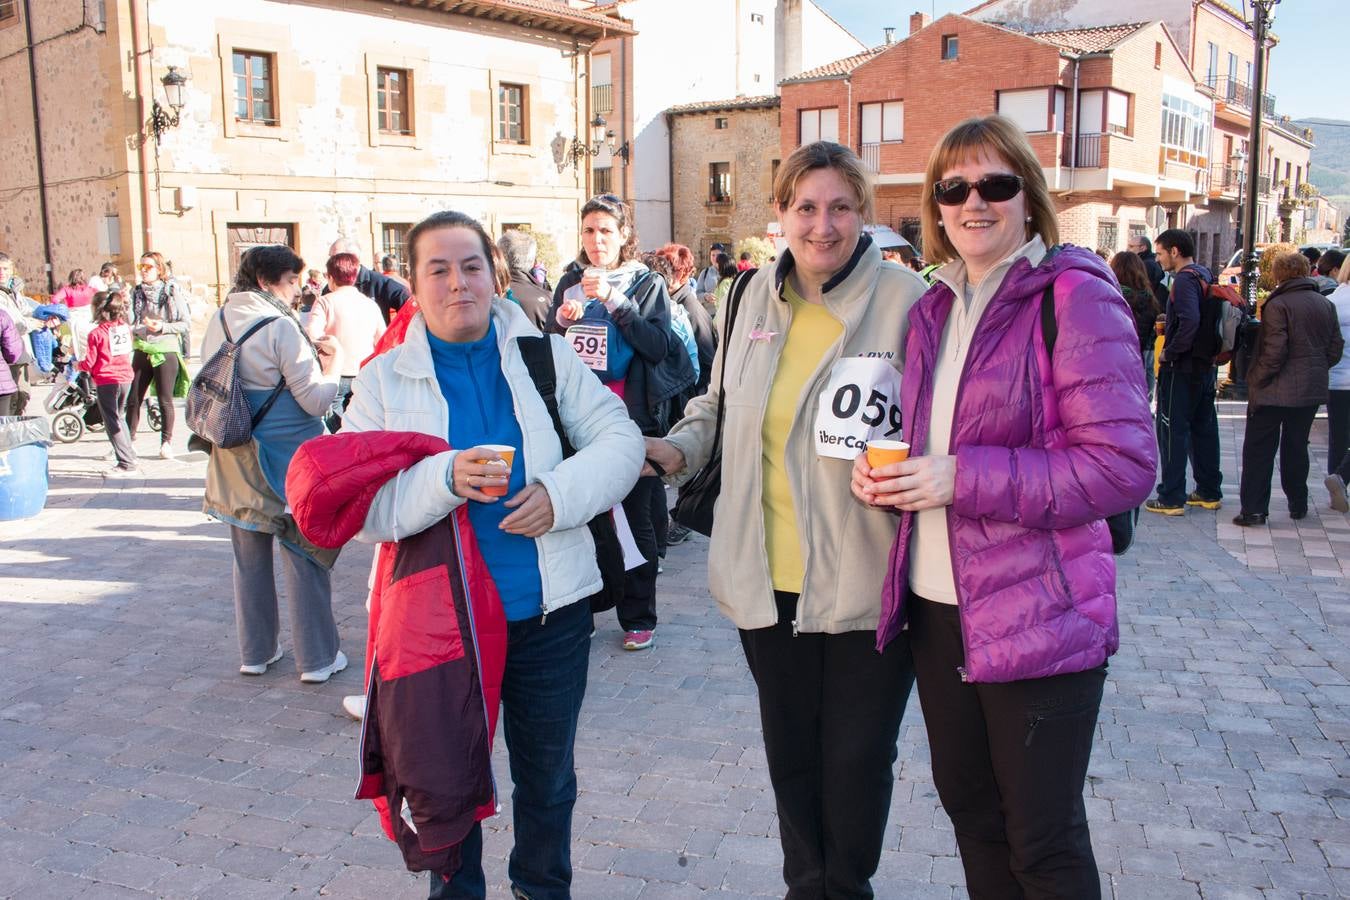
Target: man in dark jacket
x: 388, y: 294
x: 1156, y: 277
x: 1187, y: 421
x: 1299, y: 341
x: 520, y: 251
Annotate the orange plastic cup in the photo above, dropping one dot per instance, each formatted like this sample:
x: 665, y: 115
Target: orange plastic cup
x: 880, y: 453
x: 508, y: 457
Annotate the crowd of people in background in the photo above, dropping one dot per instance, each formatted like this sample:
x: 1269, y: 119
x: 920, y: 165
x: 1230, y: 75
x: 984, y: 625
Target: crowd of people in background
x: 476, y: 416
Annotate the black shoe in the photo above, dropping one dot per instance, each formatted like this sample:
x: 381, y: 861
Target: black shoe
x: 676, y: 534
x: 1246, y: 520
x: 1300, y: 512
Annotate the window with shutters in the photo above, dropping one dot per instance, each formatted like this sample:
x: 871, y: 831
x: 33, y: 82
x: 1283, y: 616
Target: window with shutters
x: 819, y: 125
x: 883, y: 123
x: 9, y: 12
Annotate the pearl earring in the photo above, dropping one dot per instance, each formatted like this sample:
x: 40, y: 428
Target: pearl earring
x: 941, y: 224
x: 1028, y: 218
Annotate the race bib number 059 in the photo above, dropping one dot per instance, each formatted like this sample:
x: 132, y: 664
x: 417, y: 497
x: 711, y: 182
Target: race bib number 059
x: 861, y: 402
x: 592, y: 344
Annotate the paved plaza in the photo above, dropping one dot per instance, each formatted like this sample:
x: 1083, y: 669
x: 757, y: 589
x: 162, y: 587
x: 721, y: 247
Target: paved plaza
x: 135, y: 761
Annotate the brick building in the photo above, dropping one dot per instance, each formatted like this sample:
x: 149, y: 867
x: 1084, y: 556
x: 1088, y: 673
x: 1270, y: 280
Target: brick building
x: 1216, y: 41
x: 299, y: 122
x: 1112, y: 113
x: 731, y: 150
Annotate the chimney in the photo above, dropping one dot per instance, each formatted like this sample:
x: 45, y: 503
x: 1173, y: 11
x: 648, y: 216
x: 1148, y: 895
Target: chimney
x: 918, y: 22
x: 889, y: 31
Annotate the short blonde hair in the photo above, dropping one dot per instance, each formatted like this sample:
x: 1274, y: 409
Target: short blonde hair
x: 823, y: 155
x: 1289, y: 265
x: 1343, y: 275
x: 995, y: 136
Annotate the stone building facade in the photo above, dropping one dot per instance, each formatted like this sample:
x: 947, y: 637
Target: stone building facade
x: 723, y: 159
x: 301, y: 122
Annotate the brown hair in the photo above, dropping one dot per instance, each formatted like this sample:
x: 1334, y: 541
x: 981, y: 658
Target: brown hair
x: 448, y: 219
x: 1130, y: 272
x: 995, y: 136
x: 159, y: 263
x: 109, y: 306
x: 1290, y: 265
x: 76, y: 278
x: 823, y: 155
x: 501, y: 272
x: 611, y: 205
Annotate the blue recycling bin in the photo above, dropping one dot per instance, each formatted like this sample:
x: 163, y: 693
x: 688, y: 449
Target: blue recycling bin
x: 23, y: 466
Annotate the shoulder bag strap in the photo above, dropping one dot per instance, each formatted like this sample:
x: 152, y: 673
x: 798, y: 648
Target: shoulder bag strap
x: 737, y: 291
x: 537, y: 353
x: 1049, y: 327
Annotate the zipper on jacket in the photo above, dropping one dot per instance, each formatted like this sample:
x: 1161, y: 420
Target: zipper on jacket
x: 947, y: 513
x: 477, y: 657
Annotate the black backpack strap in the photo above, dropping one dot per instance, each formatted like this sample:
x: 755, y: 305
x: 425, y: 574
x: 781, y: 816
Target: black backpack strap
x: 276, y: 391
x: 253, y: 329
x: 1049, y: 327
x: 537, y: 353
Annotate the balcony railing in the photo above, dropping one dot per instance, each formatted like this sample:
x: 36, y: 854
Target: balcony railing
x: 1240, y: 96
x: 871, y: 156
x: 1225, y: 179
x: 602, y: 98
x: 1089, y: 155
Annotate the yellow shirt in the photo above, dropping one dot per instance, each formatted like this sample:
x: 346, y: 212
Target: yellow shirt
x: 812, y: 332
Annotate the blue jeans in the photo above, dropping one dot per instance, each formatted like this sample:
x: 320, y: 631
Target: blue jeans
x: 1188, y: 429
x: 542, y: 689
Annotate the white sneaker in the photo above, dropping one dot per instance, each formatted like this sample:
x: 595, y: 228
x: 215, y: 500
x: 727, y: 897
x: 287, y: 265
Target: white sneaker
x: 259, y: 668
x: 354, y: 705
x: 319, y: 676
x: 166, y: 452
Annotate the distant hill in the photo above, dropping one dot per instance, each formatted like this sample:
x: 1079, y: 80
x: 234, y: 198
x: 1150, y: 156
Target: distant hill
x: 1330, y: 169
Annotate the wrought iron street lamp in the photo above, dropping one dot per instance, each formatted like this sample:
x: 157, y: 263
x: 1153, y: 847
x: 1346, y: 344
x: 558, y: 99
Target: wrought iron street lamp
x: 161, y: 120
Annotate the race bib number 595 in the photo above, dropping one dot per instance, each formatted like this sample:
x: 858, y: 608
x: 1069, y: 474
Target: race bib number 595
x: 861, y: 402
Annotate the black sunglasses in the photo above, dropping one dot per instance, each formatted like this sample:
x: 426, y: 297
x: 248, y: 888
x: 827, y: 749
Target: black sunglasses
x: 993, y: 188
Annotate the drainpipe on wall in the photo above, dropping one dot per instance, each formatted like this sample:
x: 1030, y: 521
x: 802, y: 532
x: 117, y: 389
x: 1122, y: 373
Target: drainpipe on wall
x: 140, y: 49
x: 1073, y: 147
x: 37, y: 143
x: 670, y: 169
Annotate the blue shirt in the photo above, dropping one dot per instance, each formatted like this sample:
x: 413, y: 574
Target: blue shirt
x: 482, y: 412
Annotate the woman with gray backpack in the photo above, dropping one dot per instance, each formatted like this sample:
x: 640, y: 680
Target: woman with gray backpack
x: 289, y: 381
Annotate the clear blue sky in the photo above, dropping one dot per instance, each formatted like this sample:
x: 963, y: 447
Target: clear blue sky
x: 1305, y: 66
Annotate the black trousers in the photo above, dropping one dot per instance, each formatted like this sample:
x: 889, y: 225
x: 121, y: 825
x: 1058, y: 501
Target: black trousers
x: 1009, y: 762
x: 164, y: 376
x: 1338, y: 432
x: 1271, y: 428
x: 637, y: 610
x: 830, y: 706
x: 1187, y: 425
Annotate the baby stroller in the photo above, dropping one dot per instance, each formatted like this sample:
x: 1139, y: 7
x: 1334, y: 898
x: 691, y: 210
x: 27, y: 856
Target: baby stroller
x: 74, y: 409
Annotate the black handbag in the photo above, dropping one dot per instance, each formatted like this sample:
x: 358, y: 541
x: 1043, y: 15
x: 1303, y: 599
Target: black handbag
x: 695, y: 502
x: 1121, y: 525
x: 537, y: 353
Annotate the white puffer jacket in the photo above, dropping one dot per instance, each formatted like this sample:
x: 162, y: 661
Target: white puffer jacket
x: 398, y: 392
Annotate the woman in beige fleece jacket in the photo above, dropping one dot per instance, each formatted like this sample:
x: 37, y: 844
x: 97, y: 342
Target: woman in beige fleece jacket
x: 810, y: 370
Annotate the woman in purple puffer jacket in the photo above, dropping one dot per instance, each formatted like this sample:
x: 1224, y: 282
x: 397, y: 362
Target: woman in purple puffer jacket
x: 1002, y: 568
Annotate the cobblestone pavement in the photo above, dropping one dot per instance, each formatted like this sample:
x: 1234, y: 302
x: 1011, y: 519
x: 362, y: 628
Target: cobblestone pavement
x: 135, y: 761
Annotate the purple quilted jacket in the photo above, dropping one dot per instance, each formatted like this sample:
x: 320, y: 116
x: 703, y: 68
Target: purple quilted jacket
x: 1043, y: 454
